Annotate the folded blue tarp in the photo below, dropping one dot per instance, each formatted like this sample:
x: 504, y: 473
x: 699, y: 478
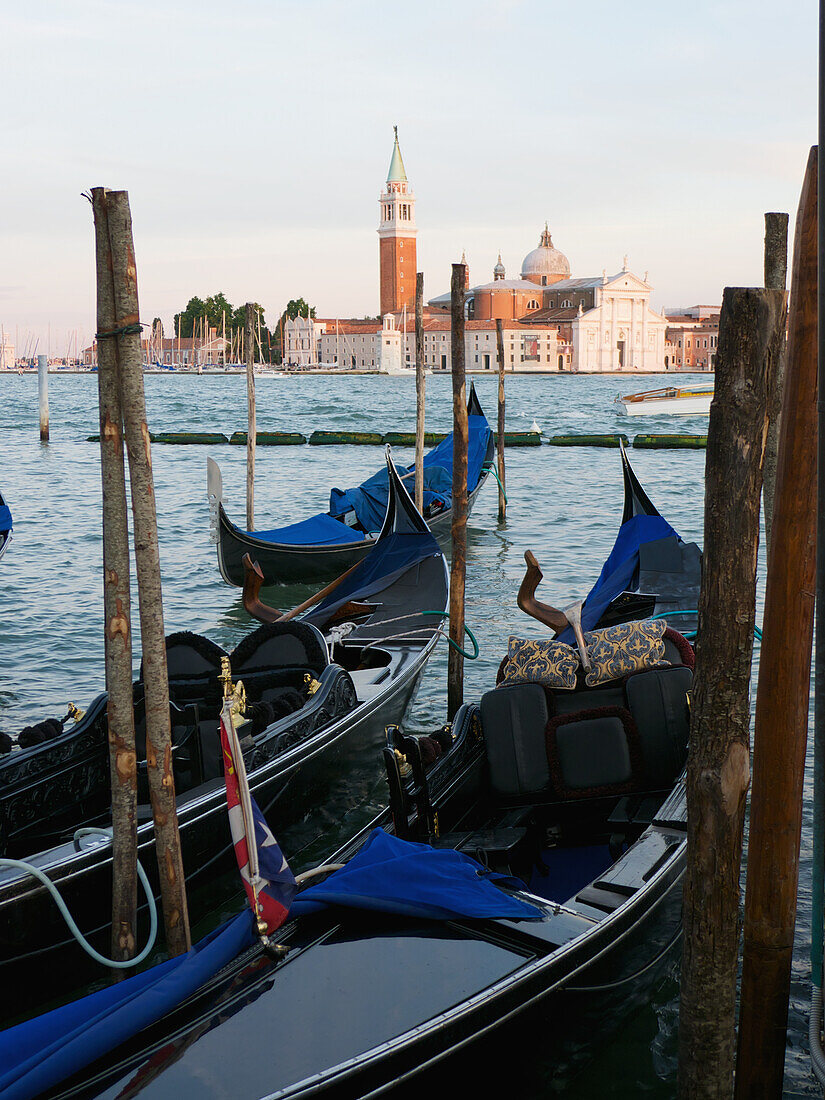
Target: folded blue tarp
x: 620, y: 571
x: 397, y: 876
x: 36, y: 1055
x: 5, y: 518
x: 369, y: 499
x: 320, y: 530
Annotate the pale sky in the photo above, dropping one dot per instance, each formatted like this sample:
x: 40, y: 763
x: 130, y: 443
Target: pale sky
x: 254, y: 138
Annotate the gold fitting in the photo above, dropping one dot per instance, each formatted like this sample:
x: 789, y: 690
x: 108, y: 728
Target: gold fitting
x: 311, y: 684
x: 436, y: 830
x: 404, y: 768
x: 226, y: 677
x: 75, y: 713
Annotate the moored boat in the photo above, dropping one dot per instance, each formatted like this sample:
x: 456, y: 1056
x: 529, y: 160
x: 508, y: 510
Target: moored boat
x: 5, y: 526
x: 387, y: 966
x: 667, y: 401
x: 326, y: 544
x: 320, y: 688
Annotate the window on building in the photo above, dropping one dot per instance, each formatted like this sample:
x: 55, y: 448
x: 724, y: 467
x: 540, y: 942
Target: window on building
x: 566, y: 304
x: 544, y: 280
x: 532, y: 304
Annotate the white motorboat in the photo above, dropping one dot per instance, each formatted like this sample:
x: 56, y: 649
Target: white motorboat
x: 668, y: 401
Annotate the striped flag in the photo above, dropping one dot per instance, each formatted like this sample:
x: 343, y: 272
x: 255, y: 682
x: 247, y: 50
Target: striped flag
x: 267, y: 879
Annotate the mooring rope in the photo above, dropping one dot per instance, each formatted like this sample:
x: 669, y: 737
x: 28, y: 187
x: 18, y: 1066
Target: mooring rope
x: 498, y: 479
x: 116, y: 964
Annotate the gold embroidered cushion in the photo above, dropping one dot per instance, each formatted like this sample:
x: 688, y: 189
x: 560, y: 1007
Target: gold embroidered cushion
x: 550, y: 663
x: 619, y: 650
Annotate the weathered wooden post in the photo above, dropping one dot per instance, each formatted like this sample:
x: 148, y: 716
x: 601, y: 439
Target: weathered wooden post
x: 458, y: 563
x: 782, y: 701
x: 750, y: 335
x: 502, y: 496
x: 776, y: 270
x: 420, y: 384
x: 251, y: 431
x: 43, y: 395
x: 116, y: 604
x: 147, y: 561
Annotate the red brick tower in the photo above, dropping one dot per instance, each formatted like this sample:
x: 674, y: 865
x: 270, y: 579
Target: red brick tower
x: 397, y: 233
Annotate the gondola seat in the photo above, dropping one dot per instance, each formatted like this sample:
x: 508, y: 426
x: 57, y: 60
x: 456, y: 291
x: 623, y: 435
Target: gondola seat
x: 621, y: 737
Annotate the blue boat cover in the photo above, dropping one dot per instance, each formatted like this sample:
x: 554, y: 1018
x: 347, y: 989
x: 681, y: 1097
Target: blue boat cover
x: 5, y: 518
x: 620, y: 571
x: 320, y: 530
x: 37, y: 1054
x: 370, y: 498
x: 397, y: 876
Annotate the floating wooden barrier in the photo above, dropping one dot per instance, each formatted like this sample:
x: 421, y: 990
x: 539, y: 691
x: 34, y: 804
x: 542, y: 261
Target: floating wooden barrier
x: 326, y: 438
x: 651, y: 442
x: 585, y: 440
x: 407, y: 439
x: 188, y: 437
x: 270, y: 439
x: 520, y: 439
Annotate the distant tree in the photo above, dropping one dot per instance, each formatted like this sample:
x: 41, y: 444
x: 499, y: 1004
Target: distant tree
x: 157, y: 329
x: 223, y: 317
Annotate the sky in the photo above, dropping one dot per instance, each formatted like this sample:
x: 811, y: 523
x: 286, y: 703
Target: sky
x: 254, y: 138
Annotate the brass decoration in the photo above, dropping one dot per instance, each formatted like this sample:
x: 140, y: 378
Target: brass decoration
x: 234, y: 694
x: 311, y: 684
x: 404, y: 767
x: 75, y: 713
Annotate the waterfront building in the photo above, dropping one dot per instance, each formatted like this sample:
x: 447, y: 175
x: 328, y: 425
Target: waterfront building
x: 692, y: 338
x: 553, y: 321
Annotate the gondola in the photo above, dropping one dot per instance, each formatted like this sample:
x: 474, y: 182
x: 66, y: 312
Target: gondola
x: 565, y: 809
x: 320, y: 691
x: 326, y: 544
x: 5, y: 526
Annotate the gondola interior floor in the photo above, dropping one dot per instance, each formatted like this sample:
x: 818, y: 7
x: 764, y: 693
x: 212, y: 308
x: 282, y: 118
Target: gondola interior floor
x: 569, y: 870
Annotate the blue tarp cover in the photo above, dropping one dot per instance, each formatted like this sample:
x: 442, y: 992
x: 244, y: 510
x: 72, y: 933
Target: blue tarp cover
x: 399, y: 876
x: 320, y: 530
x: 370, y: 498
x: 37, y: 1054
x: 5, y: 518
x: 620, y: 571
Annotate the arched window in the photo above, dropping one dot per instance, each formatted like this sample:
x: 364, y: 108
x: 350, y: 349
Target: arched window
x: 532, y: 304
x: 544, y: 280
x: 561, y: 362
x: 566, y: 304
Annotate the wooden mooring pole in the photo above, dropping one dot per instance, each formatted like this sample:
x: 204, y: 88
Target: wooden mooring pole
x: 776, y: 272
x: 750, y: 335
x: 251, y: 431
x: 43, y: 396
x: 458, y: 563
x: 120, y: 713
x: 420, y: 391
x: 782, y: 701
x: 502, y: 496
x: 147, y: 561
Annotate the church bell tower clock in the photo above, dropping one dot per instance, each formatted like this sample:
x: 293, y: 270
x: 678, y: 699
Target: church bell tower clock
x: 396, y: 235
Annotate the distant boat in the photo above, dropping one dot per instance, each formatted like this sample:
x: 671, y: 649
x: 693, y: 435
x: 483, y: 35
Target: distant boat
x: 668, y: 401
x: 5, y: 525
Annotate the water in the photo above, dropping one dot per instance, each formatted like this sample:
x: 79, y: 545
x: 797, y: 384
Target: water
x: 564, y: 503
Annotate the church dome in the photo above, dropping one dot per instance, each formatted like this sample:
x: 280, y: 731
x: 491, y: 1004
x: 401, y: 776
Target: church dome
x: 545, y: 261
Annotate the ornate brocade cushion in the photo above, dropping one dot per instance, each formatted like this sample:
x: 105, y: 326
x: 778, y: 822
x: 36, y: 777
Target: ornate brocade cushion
x: 552, y: 664
x: 628, y: 647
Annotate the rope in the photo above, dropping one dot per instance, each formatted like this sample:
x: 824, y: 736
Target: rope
x: 22, y: 865
x: 494, y: 472
x: 420, y: 630
x: 132, y: 329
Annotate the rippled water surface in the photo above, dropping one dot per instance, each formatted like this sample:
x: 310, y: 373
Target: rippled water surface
x: 564, y: 503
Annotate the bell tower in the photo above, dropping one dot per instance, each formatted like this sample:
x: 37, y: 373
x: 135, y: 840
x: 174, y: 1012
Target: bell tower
x: 396, y: 238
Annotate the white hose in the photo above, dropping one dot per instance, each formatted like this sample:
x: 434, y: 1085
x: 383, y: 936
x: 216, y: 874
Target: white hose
x: 815, y: 1035
x: 116, y: 964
